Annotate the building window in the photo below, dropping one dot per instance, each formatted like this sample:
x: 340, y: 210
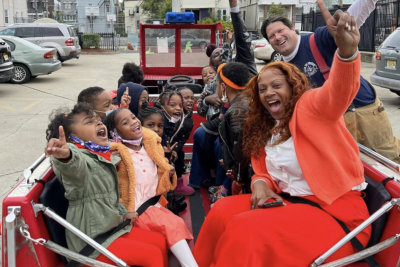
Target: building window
x: 137, y: 25
x: 299, y: 12
x: 224, y: 14
x: 6, y: 15
x: 107, y: 8
x: 137, y: 9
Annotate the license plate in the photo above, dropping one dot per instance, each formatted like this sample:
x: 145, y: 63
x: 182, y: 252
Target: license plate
x: 5, y: 56
x: 391, y: 64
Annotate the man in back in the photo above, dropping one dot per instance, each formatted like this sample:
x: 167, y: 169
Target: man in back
x: 366, y: 118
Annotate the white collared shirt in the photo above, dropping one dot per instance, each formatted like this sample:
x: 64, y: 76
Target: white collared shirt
x: 284, y: 168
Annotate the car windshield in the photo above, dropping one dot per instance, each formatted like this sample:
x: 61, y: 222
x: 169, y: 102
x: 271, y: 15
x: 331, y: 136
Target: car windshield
x: 393, y: 40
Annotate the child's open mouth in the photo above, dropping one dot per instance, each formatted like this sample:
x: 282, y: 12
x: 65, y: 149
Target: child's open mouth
x: 102, y: 132
x: 177, y: 115
x: 137, y: 129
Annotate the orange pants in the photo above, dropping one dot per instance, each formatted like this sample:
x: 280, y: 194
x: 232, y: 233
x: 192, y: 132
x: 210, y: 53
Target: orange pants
x: 139, y: 247
x: 292, y: 235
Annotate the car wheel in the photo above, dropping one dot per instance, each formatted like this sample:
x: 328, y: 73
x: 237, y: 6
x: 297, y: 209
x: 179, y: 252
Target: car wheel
x: 21, y: 74
x: 396, y: 92
x: 59, y: 57
x: 276, y: 57
x: 203, y: 45
x: 172, y: 45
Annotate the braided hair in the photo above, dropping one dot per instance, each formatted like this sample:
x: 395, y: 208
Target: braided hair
x: 147, y: 111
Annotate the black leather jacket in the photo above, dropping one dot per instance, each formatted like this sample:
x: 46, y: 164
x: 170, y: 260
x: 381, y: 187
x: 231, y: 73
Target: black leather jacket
x: 230, y: 133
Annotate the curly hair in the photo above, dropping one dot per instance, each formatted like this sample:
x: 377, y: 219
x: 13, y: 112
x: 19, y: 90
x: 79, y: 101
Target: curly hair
x: 64, y: 117
x: 166, y: 95
x: 259, y: 123
x: 131, y: 73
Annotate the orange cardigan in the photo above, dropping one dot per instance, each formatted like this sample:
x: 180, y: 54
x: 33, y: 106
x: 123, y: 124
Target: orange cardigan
x: 327, y: 153
x: 126, y: 172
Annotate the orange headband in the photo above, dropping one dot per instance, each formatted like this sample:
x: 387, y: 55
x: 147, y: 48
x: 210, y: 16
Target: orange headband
x: 226, y: 80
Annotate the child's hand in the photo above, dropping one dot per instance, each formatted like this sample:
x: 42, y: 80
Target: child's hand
x: 169, y: 152
x: 171, y: 171
x: 58, y: 148
x: 126, y: 98
x: 174, y: 156
x: 131, y: 216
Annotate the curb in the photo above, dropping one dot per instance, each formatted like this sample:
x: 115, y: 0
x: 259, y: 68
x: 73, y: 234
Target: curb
x: 368, y: 57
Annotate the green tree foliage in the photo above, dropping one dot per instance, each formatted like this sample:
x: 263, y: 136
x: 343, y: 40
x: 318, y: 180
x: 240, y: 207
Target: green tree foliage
x: 211, y: 20
x: 156, y: 9
x: 276, y: 10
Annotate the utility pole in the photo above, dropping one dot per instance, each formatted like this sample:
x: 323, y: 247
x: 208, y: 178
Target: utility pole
x: 36, y: 6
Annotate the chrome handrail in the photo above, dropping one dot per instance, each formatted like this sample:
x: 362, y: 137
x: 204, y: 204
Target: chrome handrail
x: 378, y: 157
x: 51, y: 214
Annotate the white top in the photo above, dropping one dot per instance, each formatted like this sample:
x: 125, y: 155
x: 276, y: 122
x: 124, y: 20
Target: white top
x: 284, y: 169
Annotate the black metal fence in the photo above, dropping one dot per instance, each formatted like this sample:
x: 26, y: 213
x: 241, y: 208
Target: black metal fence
x: 108, y: 40
x: 382, y: 21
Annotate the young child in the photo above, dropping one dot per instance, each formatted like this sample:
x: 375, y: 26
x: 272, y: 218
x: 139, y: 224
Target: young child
x: 79, y: 149
x: 137, y: 93
x: 144, y: 173
x: 188, y: 102
x: 171, y: 103
x: 152, y: 118
x: 208, y: 73
x: 98, y: 99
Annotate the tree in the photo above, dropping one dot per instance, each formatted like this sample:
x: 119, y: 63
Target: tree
x: 276, y: 10
x: 156, y: 9
x: 212, y: 20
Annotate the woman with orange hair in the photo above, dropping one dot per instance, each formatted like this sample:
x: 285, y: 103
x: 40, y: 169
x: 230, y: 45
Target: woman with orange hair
x: 304, y: 159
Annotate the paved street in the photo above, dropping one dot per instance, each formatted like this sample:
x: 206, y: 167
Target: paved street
x: 24, y: 109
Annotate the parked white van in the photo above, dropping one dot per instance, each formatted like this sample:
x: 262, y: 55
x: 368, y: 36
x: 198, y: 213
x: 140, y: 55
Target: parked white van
x: 51, y: 35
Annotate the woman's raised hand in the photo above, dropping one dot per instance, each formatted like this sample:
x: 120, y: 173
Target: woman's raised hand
x: 343, y: 29
x: 58, y: 148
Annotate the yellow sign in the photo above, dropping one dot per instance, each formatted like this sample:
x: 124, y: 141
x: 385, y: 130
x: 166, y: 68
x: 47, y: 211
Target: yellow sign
x: 391, y: 64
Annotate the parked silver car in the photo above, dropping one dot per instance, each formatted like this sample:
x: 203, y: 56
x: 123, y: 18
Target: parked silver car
x: 30, y: 60
x: 60, y: 36
x: 6, y: 65
x: 387, y: 58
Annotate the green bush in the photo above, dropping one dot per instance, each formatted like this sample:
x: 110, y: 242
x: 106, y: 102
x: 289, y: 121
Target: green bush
x: 91, y: 39
x: 212, y: 20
